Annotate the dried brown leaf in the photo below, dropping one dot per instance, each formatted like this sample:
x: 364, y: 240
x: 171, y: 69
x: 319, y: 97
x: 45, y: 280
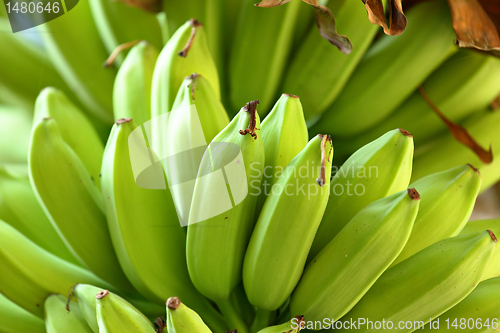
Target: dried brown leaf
x: 473, y: 26
x: 152, y: 6
x: 495, y: 105
x: 271, y: 3
x: 376, y: 15
x: 460, y: 133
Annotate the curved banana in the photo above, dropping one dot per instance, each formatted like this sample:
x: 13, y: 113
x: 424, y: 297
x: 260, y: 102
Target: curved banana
x: 142, y: 247
x: 63, y: 316
x: 478, y: 312
x: 318, y: 72
x: 83, y: 138
x: 284, y: 134
x: 493, y: 269
x: 15, y: 319
x: 391, y: 70
x: 379, y: 169
x: 132, y: 89
x: 418, y: 288
x: 434, y: 222
x: 113, y: 20
x: 221, y: 222
x: 30, y: 274
x: 69, y: 39
x: 292, y: 326
x: 380, y: 230
x: 72, y: 202
x: 280, y: 242
x: 181, y: 319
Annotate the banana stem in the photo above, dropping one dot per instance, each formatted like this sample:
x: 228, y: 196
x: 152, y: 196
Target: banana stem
x: 232, y: 317
x: 261, y: 320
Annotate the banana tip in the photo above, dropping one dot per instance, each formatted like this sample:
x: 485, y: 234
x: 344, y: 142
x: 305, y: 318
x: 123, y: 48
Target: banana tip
x: 173, y: 303
x: 123, y: 120
x: 492, y: 235
x: 290, y: 95
x: 405, y: 133
x: 102, y: 294
x: 473, y: 168
x: 413, y: 194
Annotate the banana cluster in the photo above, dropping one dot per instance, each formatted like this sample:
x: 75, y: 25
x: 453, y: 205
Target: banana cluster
x: 150, y: 204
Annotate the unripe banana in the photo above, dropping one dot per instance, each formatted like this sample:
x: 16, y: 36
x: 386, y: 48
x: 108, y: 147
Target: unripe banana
x: 427, y: 284
x: 434, y: 222
x: 465, y: 83
x: 20, y: 208
x: 260, y: 46
x: 446, y: 152
x: 293, y: 326
x: 185, y: 53
x: 284, y: 134
x: 140, y: 248
x: 114, y: 314
x: 113, y: 20
x: 132, y: 89
x: 15, y: 319
x: 76, y: 130
x: 62, y: 316
x: 380, y: 231
x: 220, y: 226
x: 72, y: 202
x: 181, y: 319
x: 318, y: 72
x: 280, y: 242
x: 493, y: 269
x: 478, y: 312
x: 391, y: 70
x: 30, y: 274
x: 390, y: 157
x: 69, y: 39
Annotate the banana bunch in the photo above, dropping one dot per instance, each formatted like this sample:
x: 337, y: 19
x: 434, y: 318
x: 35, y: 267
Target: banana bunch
x: 138, y: 199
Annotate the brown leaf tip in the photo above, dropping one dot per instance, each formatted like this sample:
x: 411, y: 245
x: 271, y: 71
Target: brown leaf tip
x: 159, y: 324
x: 405, y: 133
x: 473, y: 168
x: 301, y: 321
x: 292, y: 96
x: 251, y: 108
x: 492, y: 235
x: 102, y: 294
x: 123, y: 121
x: 173, y: 303
x: 413, y: 194
x: 194, y: 79
x: 194, y: 24
x: 321, y: 180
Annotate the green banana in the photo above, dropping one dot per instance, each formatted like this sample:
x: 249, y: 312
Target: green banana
x: 478, y: 312
x: 15, y: 127
x: 142, y: 248
x: 493, y: 269
x: 181, y: 319
x: 434, y: 222
x: 465, y: 83
x: 185, y: 53
x: 73, y: 37
x: 390, y: 157
x: 378, y: 231
x: 15, y: 319
x: 132, y: 89
x: 293, y: 326
x: 284, y: 134
x: 72, y: 202
x: 23, y: 61
x: 425, y: 285
x: 113, y: 20
x: 30, y: 274
x: 114, y: 314
x: 62, y: 316
x: 262, y: 40
x: 197, y: 116
x: 20, y: 208
x: 391, y: 70
x: 446, y: 152
x: 220, y: 226
x: 318, y: 72
x: 82, y: 138
x: 280, y: 242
